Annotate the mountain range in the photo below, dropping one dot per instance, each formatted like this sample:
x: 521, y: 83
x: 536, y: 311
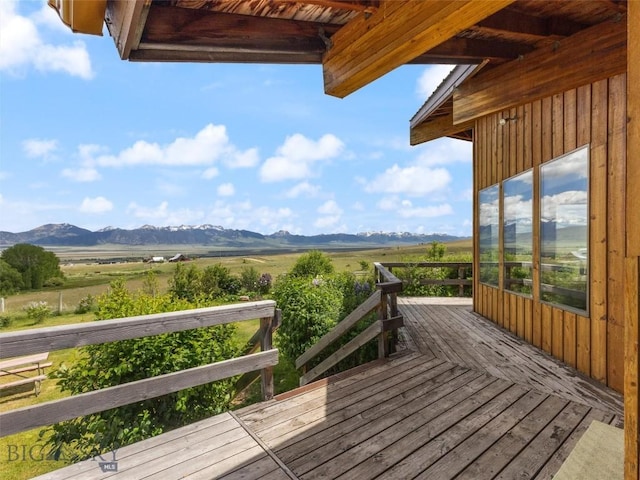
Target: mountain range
x: 64, y: 234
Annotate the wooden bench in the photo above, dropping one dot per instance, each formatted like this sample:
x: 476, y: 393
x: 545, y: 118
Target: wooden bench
x: 19, y: 366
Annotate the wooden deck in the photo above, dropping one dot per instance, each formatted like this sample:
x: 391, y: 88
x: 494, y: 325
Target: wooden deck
x: 470, y: 401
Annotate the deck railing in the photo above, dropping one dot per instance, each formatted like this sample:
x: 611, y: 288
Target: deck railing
x: 463, y: 280
x: 385, y: 328
x: 67, y: 336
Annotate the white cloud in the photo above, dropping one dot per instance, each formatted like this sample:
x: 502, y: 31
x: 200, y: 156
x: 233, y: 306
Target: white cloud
x: 139, y: 211
x: 295, y: 158
x: 304, y: 188
x: 431, y: 78
x: 244, y: 215
x: 96, y: 205
x: 37, y: 148
x: 445, y: 151
x: 210, y: 173
x: 81, y: 174
x: 406, y: 209
x: 248, y: 158
x: 330, y: 207
x: 327, y: 221
x: 331, y: 215
x: 226, y: 190
x: 21, y: 47
x: 413, y: 180
x: 208, y: 146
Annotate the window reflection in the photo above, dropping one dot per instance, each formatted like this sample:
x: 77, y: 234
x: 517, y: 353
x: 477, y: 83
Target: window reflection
x: 489, y: 224
x: 564, y: 230
x: 518, y: 233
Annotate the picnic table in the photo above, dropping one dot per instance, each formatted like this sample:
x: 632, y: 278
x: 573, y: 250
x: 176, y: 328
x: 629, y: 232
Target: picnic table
x: 20, y: 371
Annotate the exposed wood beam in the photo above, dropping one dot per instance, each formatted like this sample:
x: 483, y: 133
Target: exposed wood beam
x: 438, y: 127
x: 592, y: 54
x: 371, y: 46
x: 509, y: 20
x: 197, y: 28
x: 126, y: 21
x: 212, y: 55
x: 466, y: 50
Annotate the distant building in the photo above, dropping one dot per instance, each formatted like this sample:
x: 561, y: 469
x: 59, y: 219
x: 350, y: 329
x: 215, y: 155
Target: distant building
x: 179, y: 258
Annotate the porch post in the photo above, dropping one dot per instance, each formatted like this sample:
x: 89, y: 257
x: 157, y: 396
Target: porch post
x: 632, y: 265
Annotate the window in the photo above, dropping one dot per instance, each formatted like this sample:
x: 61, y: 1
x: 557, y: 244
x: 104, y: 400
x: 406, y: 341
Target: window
x: 517, y: 232
x: 564, y: 230
x: 489, y: 224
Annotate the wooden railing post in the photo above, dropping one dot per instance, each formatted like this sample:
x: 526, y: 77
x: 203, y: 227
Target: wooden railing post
x: 266, y: 341
x: 383, y: 314
x: 461, y: 274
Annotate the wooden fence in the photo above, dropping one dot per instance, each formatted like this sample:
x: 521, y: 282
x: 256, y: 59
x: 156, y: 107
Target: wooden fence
x: 464, y: 279
x: 67, y: 336
x: 385, y: 328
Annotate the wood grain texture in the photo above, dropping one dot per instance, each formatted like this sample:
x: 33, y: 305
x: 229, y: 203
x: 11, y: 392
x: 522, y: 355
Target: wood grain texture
x: 55, y: 338
x: 592, y: 54
x: 399, y: 31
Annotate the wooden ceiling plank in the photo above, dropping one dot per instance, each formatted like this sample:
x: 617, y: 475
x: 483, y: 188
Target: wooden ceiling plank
x: 592, y: 54
x: 371, y: 46
x: 173, y: 26
x: 355, y: 6
x: 438, y: 127
x: 126, y: 21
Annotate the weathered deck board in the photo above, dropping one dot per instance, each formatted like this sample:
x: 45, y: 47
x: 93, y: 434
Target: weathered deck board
x: 481, y: 344
x: 475, y: 402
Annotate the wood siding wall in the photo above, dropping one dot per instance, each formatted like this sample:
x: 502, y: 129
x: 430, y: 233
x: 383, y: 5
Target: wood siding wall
x: 593, y: 115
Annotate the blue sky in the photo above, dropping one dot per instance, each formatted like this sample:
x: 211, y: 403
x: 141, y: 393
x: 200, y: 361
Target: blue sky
x: 91, y: 140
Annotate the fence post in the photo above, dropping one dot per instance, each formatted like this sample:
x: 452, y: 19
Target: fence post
x: 461, y: 272
x: 266, y: 342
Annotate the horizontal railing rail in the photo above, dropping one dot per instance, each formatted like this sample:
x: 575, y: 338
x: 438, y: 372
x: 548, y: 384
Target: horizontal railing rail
x: 384, y: 301
x: 463, y: 280
x: 66, y: 336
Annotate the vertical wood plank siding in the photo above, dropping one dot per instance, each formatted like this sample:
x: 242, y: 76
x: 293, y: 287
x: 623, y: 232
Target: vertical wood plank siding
x: 593, y: 115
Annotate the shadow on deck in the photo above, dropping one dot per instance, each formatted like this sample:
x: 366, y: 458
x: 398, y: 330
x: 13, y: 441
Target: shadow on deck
x: 465, y: 399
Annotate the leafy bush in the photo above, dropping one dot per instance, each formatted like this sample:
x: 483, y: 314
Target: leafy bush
x: 38, y: 311
x: 115, y: 363
x: 86, y: 304
x: 312, y: 264
x: 310, y: 308
x: 249, y: 278
x: 5, y: 321
x: 53, y: 282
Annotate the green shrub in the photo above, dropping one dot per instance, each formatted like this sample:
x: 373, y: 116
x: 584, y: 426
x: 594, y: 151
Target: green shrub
x: 86, y: 304
x: 310, y: 308
x: 5, y: 321
x: 115, y: 363
x: 249, y: 278
x: 312, y: 264
x: 38, y: 311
